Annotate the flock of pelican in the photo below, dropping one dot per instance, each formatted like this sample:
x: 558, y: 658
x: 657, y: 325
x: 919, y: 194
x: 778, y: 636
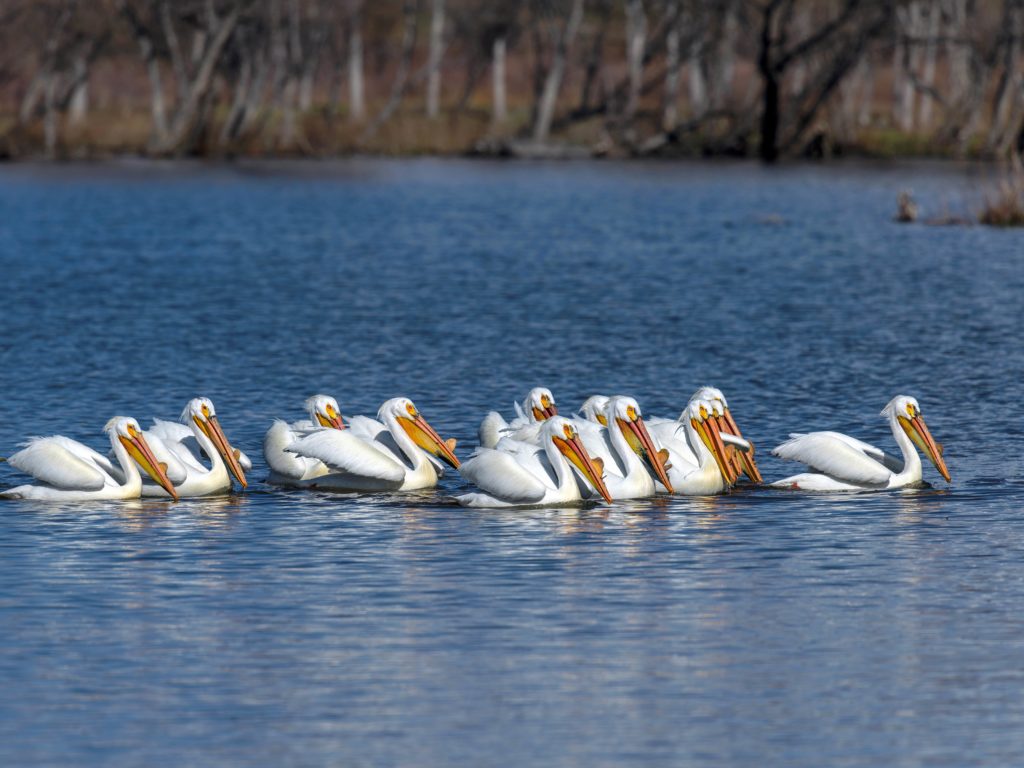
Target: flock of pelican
x: 539, y: 458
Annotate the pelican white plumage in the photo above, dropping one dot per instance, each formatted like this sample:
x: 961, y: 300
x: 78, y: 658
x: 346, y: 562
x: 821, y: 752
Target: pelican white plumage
x: 843, y: 463
x: 396, y: 455
x: 198, y: 435
x: 697, y: 459
x: 518, y: 474
x: 287, y: 467
x: 593, y: 409
x: 70, y: 471
x: 629, y: 456
x: 739, y: 454
x: 538, y: 406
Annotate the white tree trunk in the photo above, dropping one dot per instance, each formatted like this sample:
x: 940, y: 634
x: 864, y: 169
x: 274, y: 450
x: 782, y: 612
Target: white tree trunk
x: 498, y: 73
x: 908, y: 99
x: 670, y: 113
x: 50, y: 116
x: 553, y: 81
x: 79, y: 104
x: 434, y: 60
x: 928, y: 74
x: 698, y: 86
x: 356, y: 104
x: 636, y: 36
x: 726, y: 60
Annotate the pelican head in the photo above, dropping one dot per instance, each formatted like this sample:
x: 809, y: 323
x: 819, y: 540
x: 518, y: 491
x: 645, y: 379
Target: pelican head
x: 624, y: 413
x: 200, y: 411
x: 405, y: 413
x: 712, y: 395
x: 323, y: 410
x: 701, y: 416
x: 726, y: 423
x: 907, y: 412
x: 560, y: 431
x: 593, y: 409
x: 127, y: 431
x: 540, y: 403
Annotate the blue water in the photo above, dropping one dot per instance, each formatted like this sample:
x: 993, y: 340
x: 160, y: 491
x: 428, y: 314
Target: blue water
x: 288, y: 628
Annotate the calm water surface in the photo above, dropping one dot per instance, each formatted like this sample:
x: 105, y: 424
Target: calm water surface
x: 291, y: 628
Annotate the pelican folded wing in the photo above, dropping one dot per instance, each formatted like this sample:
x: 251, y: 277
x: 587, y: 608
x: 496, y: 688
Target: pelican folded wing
x: 498, y: 473
x: 343, y: 451
x: 49, y: 461
x: 835, y: 457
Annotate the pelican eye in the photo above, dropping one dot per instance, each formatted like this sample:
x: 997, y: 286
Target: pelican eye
x: 632, y: 414
x: 703, y: 413
x: 545, y: 401
x: 411, y: 409
x: 206, y: 410
x: 569, y: 432
x: 910, y: 410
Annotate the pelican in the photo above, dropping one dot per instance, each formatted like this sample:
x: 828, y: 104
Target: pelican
x: 630, y: 458
x: 698, y: 463
x: 538, y: 406
x: 288, y: 468
x: 739, y: 454
x: 593, y: 409
x: 519, y: 474
x: 186, y: 443
x: 396, y: 455
x: 70, y: 471
x: 844, y: 463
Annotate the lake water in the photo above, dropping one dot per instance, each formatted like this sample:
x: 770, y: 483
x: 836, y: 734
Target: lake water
x: 291, y: 628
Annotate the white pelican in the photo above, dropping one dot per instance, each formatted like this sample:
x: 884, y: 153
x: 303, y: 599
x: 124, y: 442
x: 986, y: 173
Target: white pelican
x: 287, y: 468
x: 844, y: 463
x: 198, y: 434
x: 518, y: 474
x: 538, y: 406
x: 70, y: 471
x: 396, y: 455
x: 630, y: 458
x: 593, y: 409
x: 698, y: 465
x: 739, y: 454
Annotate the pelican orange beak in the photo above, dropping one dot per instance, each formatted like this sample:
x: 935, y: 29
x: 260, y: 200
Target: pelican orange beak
x: 708, y: 432
x: 917, y: 430
x: 140, y: 451
x: 746, y: 459
x: 639, y: 440
x: 573, y: 449
x: 211, y: 428
x: 426, y: 438
x: 547, y: 409
x: 331, y: 420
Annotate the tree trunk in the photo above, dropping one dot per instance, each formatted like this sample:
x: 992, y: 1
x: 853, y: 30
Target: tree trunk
x: 670, y: 113
x: 498, y: 73
x: 79, y: 102
x: 698, y: 86
x: 356, y: 105
x: 769, y: 149
x: 553, y: 81
x: 595, y: 55
x: 410, y: 11
x: 928, y: 73
x: 434, y: 59
x: 636, y: 36
x: 187, y: 111
x: 725, y: 64
x: 50, y: 116
x: 911, y: 28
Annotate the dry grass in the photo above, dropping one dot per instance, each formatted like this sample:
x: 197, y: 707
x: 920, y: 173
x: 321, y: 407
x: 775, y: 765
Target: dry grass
x: 1005, y: 206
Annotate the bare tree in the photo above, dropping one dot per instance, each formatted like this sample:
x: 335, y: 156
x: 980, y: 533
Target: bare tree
x: 434, y: 61
x: 565, y: 35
